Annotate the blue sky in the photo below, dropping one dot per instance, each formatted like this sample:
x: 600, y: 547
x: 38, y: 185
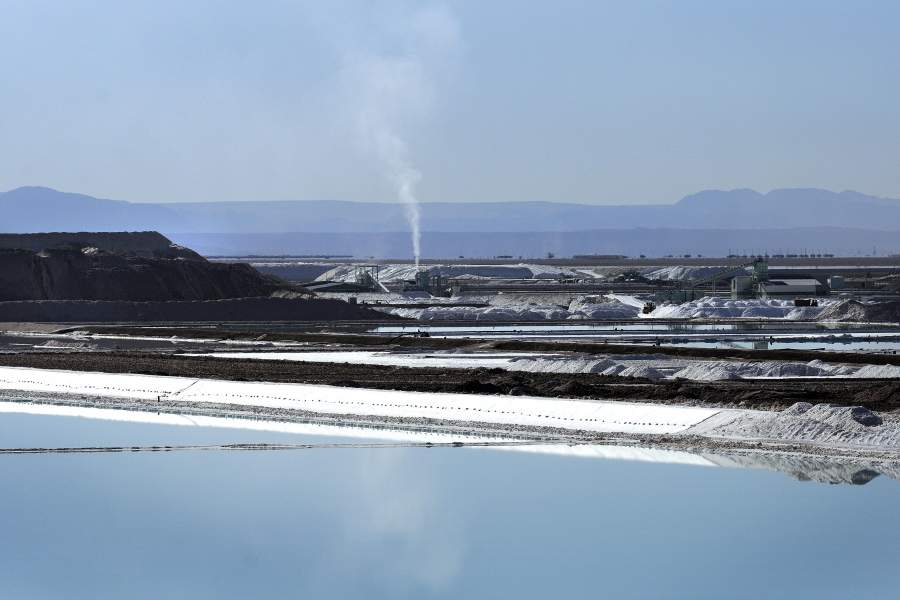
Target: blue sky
x: 596, y: 102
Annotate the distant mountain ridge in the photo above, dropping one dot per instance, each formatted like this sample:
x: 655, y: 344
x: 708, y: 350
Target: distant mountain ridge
x: 31, y: 209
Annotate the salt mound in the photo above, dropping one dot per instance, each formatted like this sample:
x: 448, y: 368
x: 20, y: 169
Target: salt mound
x: 820, y: 423
x: 656, y: 366
x: 834, y: 370
x: 786, y: 369
x: 644, y: 371
x: 877, y: 371
x: 603, y: 366
x: 566, y: 365
x: 407, y: 272
x: 610, y: 309
x: 519, y: 311
x: 728, y: 370
x: 709, y: 371
x: 613, y: 370
x: 681, y: 273
x: 836, y: 415
x: 725, y: 308
x: 489, y: 313
x: 523, y: 298
x: 797, y: 409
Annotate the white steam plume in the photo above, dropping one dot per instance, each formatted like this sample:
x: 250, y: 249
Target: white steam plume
x: 392, y: 91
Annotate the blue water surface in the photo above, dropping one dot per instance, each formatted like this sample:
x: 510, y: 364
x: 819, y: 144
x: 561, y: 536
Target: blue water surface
x: 418, y: 522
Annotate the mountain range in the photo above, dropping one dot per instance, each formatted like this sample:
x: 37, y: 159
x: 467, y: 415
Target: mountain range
x: 377, y: 229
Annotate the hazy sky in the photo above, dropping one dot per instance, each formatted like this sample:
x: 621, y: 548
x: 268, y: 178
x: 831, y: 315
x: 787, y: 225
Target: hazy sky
x: 606, y: 102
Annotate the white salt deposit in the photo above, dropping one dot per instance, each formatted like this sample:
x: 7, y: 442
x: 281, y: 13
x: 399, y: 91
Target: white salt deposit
x: 853, y: 427
x: 556, y: 365
x: 725, y: 308
x: 649, y: 366
x: 489, y: 313
x: 598, y: 416
x: 610, y: 307
x: 602, y: 308
x: 682, y: 273
x: 406, y: 272
x: 878, y: 371
x: 613, y: 370
x: 712, y: 371
x: 645, y: 371
x: 820, y: 423
x: 454, y: 360
x: 670, y: 273
x: 507, y: 310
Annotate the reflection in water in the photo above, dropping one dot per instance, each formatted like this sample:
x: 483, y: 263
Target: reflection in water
x: 799, y: 466
x: 428, y: 546
x: 523, y: 522
x: 810, y: 468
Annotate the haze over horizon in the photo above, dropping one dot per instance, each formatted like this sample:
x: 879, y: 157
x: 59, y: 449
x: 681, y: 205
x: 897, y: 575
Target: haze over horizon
x: 710, y: 223
x: 583, y: 102
x: 662, y: 202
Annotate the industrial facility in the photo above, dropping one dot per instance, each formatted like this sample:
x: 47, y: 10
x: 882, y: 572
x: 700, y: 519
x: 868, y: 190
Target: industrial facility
x: 801, y: 282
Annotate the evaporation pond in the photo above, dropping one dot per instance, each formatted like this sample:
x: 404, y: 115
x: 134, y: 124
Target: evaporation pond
x: 415, y: 522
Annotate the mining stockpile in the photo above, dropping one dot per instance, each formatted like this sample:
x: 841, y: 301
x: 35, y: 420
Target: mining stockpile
x: 143, y: 276
x: 80, y: 271
x: 138, y: 243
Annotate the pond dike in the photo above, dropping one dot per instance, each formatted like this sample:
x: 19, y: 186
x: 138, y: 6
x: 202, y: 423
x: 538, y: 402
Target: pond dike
x: 518, y: 411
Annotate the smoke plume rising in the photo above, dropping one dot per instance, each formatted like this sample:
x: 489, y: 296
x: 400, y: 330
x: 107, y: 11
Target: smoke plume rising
x: 394, y: 90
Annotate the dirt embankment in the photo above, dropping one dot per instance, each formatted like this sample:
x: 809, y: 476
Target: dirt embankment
x: 232, y: 309
x: 879, y: 395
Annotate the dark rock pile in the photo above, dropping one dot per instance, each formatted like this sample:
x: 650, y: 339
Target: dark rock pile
x: 142, y: 276
x: 119, y: 266
x: 150, y: 244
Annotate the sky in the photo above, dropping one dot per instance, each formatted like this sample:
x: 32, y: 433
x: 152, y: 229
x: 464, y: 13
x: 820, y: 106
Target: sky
x: 579, y: 101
